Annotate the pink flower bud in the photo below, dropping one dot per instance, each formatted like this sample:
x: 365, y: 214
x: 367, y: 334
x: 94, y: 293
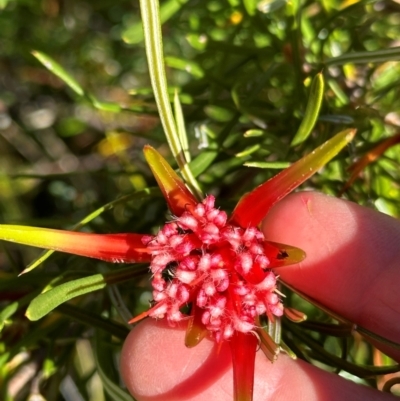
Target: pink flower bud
x: 220, y: 219
x: 205, y: 262
x: 209, y: 202
x: 212, y: 214
x: 205, y: 318
x: 190, y: 262
x: 170, y: 229
x: 268, y: 283
x: 250, y: 234
x: 242, y: 325
x: 202, y: 298
x: 188, y: 222
x: 183, y: 294
x: 185, y: 276
x: 200, y: 210
x: 244, y: 263
x: 209, y: 288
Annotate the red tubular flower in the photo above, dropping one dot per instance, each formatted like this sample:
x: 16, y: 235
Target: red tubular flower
x: 219, y: 265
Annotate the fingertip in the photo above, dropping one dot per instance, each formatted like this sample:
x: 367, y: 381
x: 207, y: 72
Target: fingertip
x: 156, y: 365
x: 352, y: 263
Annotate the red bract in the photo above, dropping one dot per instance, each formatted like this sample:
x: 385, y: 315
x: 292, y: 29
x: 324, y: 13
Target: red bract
x: 220, y: 266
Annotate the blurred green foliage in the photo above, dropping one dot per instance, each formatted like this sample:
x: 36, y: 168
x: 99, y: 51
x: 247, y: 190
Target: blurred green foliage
x: 243, y: 71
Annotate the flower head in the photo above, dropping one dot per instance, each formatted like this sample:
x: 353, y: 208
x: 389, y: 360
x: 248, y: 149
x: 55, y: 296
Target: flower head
x: 220, y: 266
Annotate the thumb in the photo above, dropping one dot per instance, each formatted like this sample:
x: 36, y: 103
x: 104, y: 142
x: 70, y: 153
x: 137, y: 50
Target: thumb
x: 156, y: 366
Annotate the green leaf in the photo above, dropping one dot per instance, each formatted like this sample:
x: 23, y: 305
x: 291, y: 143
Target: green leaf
x: 218, y: 113
x: 336, y: 119
x: 273, y: 165
x: 7, y: 312
x: 36, y: 334
x: 248, y: 151
x: 200, y: 163
x: 155, y: 59
x: 312, y: 110
x: 104, y: 106
x: 59, y: 71
x: 13, y: 307
x: 3, y: 3
x: 185, y: 65
x: 250, y: 6
x: 180, y: 126
x: 377, y: 56
x: 269, y: 6
x: 338, y: 91
x: 134, y: 34
x: 253, y: 133
x: 104, y: 362
x: 47, y: 301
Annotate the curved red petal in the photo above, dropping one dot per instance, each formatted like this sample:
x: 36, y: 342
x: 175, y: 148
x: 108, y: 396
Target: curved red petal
x: 175, y: 191
x: 109, y: 247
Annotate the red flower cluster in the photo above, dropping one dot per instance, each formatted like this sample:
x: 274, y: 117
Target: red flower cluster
x: 220, y: 267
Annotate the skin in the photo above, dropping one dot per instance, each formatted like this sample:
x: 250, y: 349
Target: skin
x: 352, y: 267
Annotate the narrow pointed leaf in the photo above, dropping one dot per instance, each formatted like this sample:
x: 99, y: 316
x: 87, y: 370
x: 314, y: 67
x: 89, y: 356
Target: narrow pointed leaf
x: 180, y: 126
x: 312, y: 110
x: 49, y: 300
x: 243, y: 346
x: 175, y: 191
x: 370, y: 157
x: 46, y: 302
x: 117, y: 248
x: 134, y: 33
x: 155, y: 58
x: 202, y: 161
x: 59, y: 71
x: 364, y: 57
x: 252, y: 208
x: 282, y: 255
x: 7, y: 312
x: 104, y: 366
x: 274, y: 165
